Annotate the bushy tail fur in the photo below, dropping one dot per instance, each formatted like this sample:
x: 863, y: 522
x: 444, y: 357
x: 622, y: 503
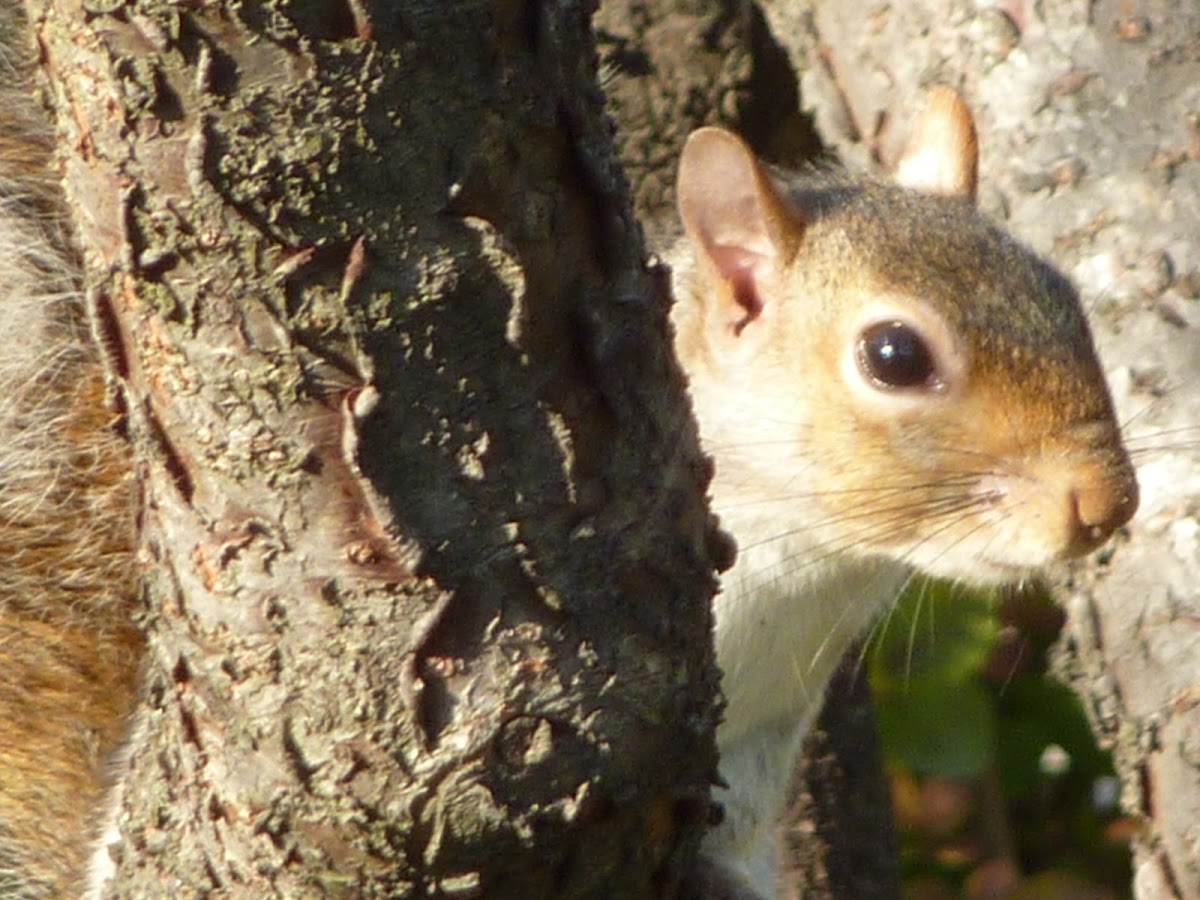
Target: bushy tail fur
x: 68, y: 649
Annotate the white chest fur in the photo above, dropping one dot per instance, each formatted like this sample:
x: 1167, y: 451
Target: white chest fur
x: 783, y: 622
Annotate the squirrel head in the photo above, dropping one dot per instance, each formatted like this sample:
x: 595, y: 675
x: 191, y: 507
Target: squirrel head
x: 877, y: 366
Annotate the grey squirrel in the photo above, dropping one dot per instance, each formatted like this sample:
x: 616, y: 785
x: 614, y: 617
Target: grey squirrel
x: 933, y: 401
x: 886, y: 384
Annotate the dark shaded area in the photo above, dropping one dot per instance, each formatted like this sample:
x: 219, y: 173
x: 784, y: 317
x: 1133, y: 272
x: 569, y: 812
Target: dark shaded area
x: 841, y: 833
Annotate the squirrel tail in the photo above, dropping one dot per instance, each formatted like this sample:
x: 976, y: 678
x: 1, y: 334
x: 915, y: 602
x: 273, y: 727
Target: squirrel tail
x: 69, y: 652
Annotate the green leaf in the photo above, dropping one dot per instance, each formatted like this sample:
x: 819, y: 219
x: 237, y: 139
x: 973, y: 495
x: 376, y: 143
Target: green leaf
x: 1037, y: 712
x: 938, y: 728
x: 936, y: 630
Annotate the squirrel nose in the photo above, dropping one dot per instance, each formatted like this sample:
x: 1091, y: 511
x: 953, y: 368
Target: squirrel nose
x: 1100, y: 507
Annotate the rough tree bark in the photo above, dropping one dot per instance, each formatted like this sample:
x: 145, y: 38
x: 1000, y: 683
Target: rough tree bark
x: 427, y: 559
x: 1091, y: 153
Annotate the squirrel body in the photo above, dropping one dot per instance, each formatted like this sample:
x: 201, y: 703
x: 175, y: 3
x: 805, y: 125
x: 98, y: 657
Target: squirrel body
x: 887, y: 384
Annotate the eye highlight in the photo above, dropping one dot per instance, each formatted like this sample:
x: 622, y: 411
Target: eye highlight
x: 893, y: 354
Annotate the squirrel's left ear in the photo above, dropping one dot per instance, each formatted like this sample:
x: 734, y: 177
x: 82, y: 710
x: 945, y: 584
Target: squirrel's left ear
x: 942, y: 156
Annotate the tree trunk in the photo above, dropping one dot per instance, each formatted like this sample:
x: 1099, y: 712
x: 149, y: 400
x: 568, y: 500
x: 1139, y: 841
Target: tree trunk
x: 1091, y: 154
x: 428, y: 566
x: 840, y: 832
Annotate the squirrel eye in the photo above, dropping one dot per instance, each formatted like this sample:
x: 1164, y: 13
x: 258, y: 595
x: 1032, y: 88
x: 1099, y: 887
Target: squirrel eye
x: 893, y: 355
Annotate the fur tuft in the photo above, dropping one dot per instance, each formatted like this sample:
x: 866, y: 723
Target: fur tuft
x: 68, y: 649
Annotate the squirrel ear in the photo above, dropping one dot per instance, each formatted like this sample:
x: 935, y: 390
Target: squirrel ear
x: 733, y: 214
x: 942, y: 156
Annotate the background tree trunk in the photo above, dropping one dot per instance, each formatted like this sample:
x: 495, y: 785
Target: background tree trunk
x: 428, y: 563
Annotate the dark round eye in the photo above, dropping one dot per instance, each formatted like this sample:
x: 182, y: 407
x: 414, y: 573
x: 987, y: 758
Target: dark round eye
x: 894, y: 355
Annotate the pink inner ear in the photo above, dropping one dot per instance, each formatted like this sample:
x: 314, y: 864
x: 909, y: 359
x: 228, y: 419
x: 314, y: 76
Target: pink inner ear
x: 740, y: 268
x: 736, y: 220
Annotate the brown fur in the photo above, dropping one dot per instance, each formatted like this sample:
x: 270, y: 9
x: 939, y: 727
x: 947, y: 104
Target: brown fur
x: 68, y: 649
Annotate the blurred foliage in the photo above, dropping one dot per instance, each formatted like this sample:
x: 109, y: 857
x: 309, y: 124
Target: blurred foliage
x: 998, y: 785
